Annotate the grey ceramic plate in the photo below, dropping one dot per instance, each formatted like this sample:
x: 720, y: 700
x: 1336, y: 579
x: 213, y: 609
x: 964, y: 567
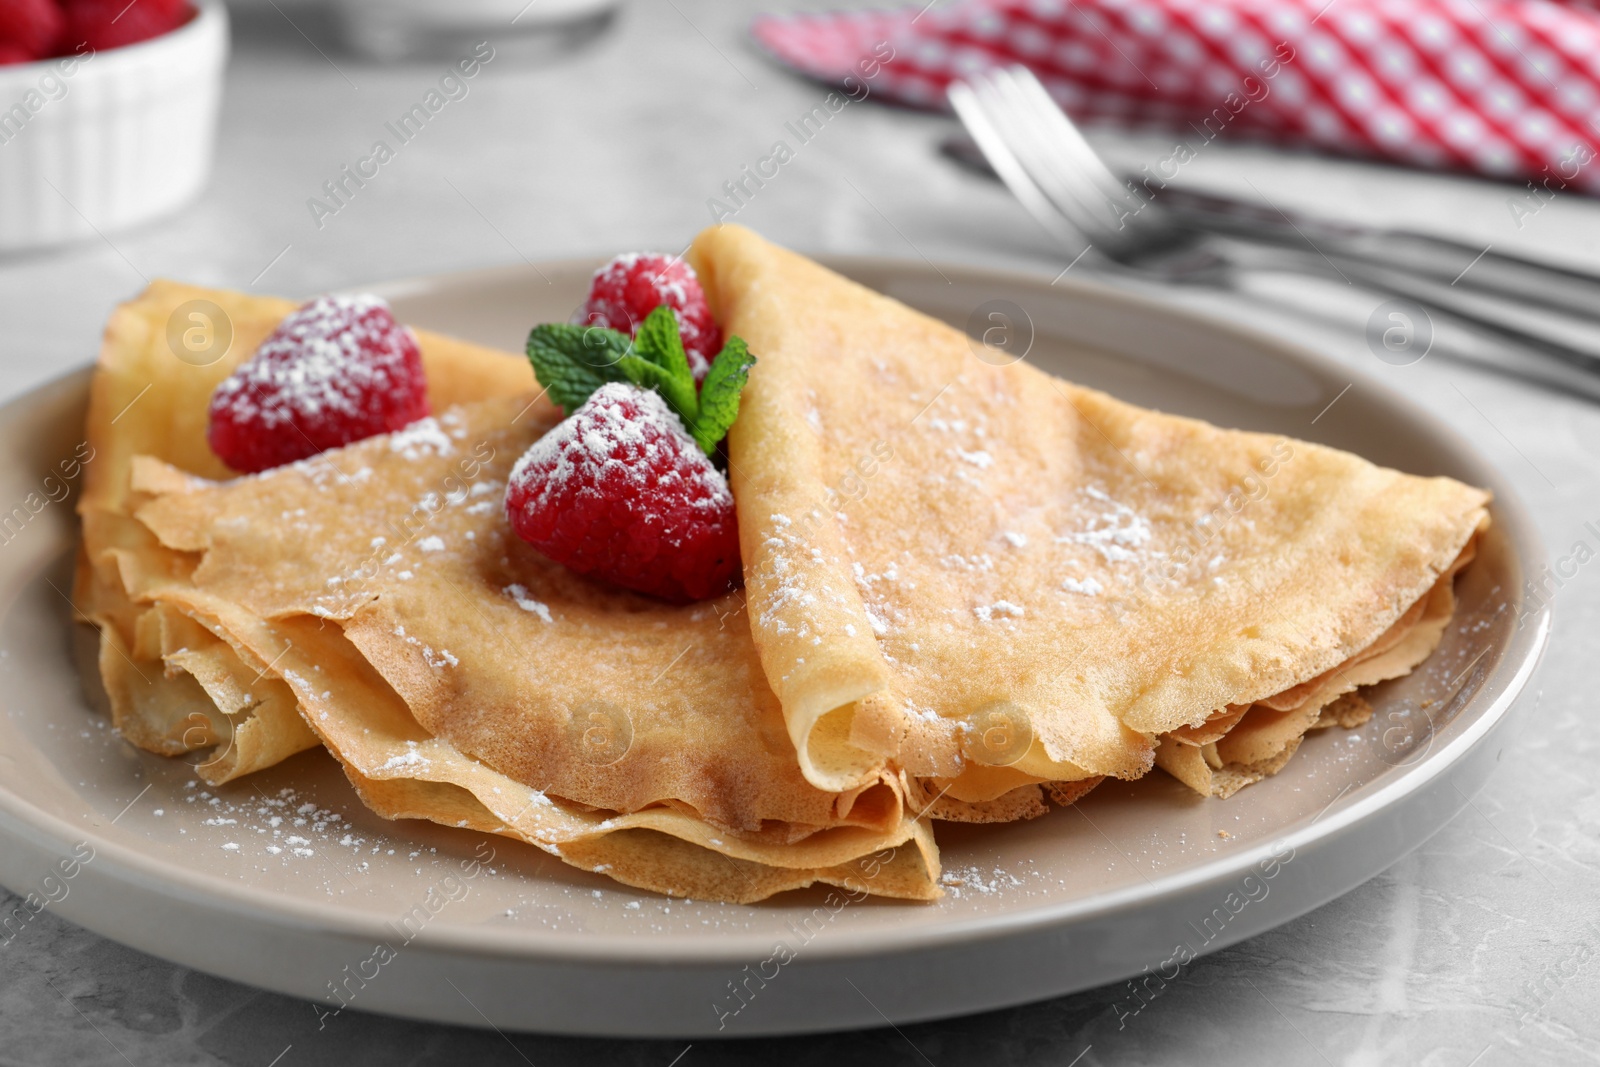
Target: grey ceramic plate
x: 332, y: 903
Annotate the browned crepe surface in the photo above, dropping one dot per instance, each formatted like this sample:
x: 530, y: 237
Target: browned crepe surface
x: 177, y: 686
x: 506, y: 668
x: 1243, y: 745
x: 146, y: 400
x: 373, y: 600
x: 931, y: 532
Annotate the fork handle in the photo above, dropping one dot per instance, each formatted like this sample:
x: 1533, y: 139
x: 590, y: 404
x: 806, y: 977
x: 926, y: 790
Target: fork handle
x: 1468, y: 308
x: 1544, y: 356
x: 1504, y: 274
x: 1496, y: 273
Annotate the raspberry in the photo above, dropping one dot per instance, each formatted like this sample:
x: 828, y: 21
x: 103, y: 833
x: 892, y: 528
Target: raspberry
x: 620, y: 491
x: 631, y: 286
x: 337, y: 370
x: 28, y: 29
x: 103, y: 24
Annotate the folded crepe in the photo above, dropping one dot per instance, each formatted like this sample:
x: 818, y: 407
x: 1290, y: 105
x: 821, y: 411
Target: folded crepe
x: 990, y: 577
x: 173, y: 690
x: 969, y: 587
x: 375, y: 594
x: 1241, y: 745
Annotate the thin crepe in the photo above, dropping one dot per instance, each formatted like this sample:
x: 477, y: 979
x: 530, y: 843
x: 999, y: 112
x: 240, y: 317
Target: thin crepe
x: 144, y: 399
x: 935, y: 535
x: 425, y: 643
x: 265, y: 616
x: 1245, y: 744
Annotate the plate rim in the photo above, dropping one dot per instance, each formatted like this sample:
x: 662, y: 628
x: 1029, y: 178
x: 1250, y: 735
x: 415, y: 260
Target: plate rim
x: 1524, y: 650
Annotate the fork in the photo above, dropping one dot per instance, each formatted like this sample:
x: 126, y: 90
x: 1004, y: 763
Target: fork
x: 1063, y: 183
x: 1505, y: 275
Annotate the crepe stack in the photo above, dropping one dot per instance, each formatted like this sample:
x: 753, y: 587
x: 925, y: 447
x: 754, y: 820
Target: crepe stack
x: 969, y: 586
x: 1028, y: 548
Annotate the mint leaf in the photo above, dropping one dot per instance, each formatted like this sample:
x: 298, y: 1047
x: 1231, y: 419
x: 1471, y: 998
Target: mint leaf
x: 719, y: 393
x: 657, y: 340
x: 660, y: 363
x: 677, y: 392
x: 572, y: 361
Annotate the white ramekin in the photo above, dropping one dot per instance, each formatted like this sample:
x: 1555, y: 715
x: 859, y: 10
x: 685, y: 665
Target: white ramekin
x: 90, y: 145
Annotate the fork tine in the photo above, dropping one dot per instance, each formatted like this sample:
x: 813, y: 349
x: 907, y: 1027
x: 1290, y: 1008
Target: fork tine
x: 976, y: 111
x: 1033, y: 139
x: 1065, y: 133
x: 1067, y: 190
x: 1022, y: 142
x: 1059, y: 148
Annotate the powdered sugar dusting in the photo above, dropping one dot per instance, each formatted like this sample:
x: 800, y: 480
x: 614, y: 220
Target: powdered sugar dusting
x: 1115, y: 534
x: 974, y: 879
x: 801, y: 593
x: 1085, y: 586
x: 326, y: 357
x: 999, y: 609
x: 979, y: 458
x: 421, y: 438
x: 439, y: 659
x: 280, y: 825
x: 620, y: 430
x: 411, y: 759
x: 527, y: 603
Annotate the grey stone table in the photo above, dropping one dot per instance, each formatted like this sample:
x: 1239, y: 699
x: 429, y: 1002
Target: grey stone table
x: 1478, y: 949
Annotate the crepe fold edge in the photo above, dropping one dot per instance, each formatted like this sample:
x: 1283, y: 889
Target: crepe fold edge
x: 408, y: 773
x: 822, y: 691
x: 1390, y: 538
x: 1243, y: 744
x: 1383, y: 538
x: 160, y: 401
x: 178, y: 687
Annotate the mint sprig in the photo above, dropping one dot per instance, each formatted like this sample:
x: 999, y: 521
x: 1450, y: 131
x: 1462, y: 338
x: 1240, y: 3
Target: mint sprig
x: 572, y: 361
x: 719, y: 393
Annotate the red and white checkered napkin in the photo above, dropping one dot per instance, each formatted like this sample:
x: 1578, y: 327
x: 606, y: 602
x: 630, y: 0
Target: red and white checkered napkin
x: 1508, y: 88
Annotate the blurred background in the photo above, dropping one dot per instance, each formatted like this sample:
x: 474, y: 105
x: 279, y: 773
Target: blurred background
x: 599, y: 126
x: 590, y: 127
